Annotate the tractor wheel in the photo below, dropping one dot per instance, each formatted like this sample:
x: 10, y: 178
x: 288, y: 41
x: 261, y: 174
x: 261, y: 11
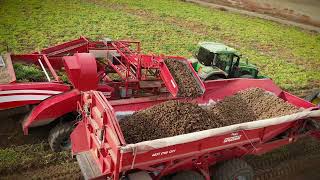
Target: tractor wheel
x: 246, y: 76
x: 314, y: 97
x: 233, y: 169
x: 188, y: 175
x: 59, y: 137
x: 213, y: 77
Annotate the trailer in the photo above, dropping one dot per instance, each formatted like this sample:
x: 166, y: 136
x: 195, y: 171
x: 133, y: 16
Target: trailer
x: 118, y: 69
x: 102, y: 152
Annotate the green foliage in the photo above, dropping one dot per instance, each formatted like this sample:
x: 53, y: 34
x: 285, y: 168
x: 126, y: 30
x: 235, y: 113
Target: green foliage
x: 63, y: 76
x: 28, y: 72
x: 287, y: 54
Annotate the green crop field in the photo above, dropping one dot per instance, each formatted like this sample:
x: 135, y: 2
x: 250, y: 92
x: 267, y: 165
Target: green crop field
x: 289, y: 55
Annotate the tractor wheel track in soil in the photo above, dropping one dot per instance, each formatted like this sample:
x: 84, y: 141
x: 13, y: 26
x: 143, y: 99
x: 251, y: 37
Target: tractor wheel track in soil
x: 61, y: 171
x: 287, y: 160
x: 286, y: 168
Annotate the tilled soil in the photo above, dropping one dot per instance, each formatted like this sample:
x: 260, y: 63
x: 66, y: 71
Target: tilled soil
x: 30, y: 157
x: 294, y: 161
x: 173, y: 118
x: 188, y: 86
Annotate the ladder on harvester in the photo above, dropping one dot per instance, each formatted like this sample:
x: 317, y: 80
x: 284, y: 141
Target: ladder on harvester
x: 129, y: 64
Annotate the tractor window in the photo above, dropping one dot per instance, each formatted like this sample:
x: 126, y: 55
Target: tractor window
x: 223, y: 61
x: 225, y: 57
x: 205, y: 57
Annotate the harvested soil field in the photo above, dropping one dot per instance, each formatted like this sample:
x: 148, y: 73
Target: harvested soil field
x: 188, y: 86
x: 173, y: 118
x: 30, y: 157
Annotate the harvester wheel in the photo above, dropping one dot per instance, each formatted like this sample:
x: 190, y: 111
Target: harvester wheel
x: 233, y: 169
x: 188, y: 175
x: 59, y: 136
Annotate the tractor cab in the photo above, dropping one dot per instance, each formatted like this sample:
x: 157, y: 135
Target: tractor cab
x: 218, y: 61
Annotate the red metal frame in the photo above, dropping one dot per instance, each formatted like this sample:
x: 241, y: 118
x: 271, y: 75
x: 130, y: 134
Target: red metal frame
x: 55, y: 99
x: 104, y: 140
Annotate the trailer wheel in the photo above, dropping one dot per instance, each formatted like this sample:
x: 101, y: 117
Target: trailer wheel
x: 188, y: 175
x: 233, y: 169
x: 59, y: 136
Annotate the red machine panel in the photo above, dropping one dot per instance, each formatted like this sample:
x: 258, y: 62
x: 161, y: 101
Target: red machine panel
x: 82, y: 71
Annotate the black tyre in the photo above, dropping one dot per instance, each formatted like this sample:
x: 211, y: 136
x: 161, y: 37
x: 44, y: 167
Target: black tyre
x: 314, y: 97
x: 188, y: 175
x: 59, y: 137
x: 213, y: 77
x: 246, y: 76
x: 235, y: 169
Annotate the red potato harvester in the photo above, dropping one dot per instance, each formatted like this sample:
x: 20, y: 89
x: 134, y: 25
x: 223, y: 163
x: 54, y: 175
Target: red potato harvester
x: 115, y: 68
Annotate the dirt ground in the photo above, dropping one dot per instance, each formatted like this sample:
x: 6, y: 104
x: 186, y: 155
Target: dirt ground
x: 306, y: 12
x: 30, y: 157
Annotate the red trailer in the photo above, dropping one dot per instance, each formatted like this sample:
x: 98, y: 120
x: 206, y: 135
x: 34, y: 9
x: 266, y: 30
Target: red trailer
x: 102, y: 151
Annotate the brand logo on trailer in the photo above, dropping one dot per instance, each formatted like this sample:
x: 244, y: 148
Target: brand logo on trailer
x: 164, y: 153
x: 234, y: 137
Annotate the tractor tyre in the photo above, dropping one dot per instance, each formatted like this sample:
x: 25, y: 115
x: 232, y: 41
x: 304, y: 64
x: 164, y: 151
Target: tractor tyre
x: 59, y: 137
x: 247, y: 76
x: 213, y: 77
x: 233, y: 169
x: 314, y: 97
x: 188, y: 175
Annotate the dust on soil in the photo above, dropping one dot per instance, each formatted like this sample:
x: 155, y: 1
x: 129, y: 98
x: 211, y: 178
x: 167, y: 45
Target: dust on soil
x: 188, y: 86
x: 173, y: 118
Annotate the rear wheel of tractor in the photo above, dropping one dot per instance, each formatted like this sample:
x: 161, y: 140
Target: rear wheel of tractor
x: 59, y: 137
x: 235, y: 169
x: 314, y: 97
x: 188, y: 175
x: 246, y: 76
x: 213, y: 77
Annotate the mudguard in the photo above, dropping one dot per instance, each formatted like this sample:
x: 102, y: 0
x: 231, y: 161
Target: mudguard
x: 51, y: 109
x: 20, y: 94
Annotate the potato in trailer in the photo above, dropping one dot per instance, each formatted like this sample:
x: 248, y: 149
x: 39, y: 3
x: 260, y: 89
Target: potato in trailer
x: 102, y: 151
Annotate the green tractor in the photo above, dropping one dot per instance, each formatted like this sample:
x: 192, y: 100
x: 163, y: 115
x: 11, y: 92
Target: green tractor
x: 218, y: 61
